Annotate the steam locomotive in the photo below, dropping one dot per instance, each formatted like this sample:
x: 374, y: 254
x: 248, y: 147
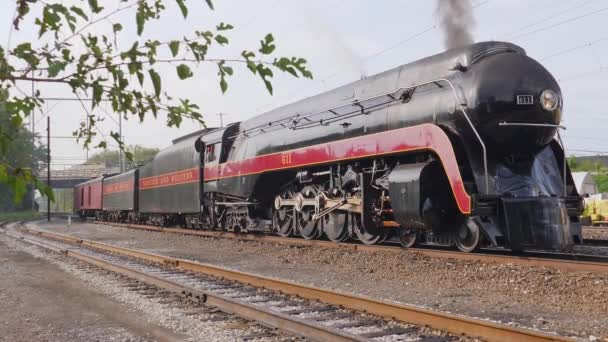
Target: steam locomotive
x: 457, y: 149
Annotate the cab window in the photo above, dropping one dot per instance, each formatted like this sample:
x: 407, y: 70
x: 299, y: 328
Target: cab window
x: 211, y: 153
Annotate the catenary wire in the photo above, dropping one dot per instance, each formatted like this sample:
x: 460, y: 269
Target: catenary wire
x: 560, y: 23
x: 574, y: 48
x: 549, y: 17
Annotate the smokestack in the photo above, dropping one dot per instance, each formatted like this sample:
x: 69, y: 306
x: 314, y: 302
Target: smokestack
x: 456, y: 21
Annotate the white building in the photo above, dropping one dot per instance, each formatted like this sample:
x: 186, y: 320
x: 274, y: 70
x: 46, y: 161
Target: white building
x: 584, y: 182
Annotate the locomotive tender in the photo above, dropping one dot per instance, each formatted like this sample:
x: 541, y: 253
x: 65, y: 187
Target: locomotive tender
x: 461, y: 148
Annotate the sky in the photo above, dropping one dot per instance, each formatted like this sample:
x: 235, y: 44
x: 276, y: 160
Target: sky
x: 343, y: 40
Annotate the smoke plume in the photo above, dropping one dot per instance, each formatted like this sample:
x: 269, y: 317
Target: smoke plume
x: 332, y: 42
x: 456, y: 20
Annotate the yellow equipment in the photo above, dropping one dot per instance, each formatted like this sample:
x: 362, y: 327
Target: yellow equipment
x: 595, y: 213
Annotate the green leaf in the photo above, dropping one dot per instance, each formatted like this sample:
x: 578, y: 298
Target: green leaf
x: 267, y: 45
x: 134, y: 67
x: 95, y: 6
x: 182, y: 7
x: 183, y: 71
x: 223, y: 84
x: 19, y: 189
x: 223, y: 71
x: 66, y: 55
x: 265, y: 73
x: 292, y: 66
x: 224, y: 27
x: 210, y: 4
x: 16, y: 121
x: 117, y: 27
x: 24, y: 51
x: 129, y: 155
x: 228, y: 70
x: 139, y: 19
x: 155, y: 77
x: 140, y: 78
x: 152, y: 105
x: 248, y: 55
x: 55, y: 68
x: 79, y: 12
x: 221, y: 39
x: 174, y: 46
x: 97, y: 93
x: 3, y: 173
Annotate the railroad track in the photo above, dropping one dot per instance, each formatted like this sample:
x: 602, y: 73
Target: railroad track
x: 562, y: 261
x: 297, y: 309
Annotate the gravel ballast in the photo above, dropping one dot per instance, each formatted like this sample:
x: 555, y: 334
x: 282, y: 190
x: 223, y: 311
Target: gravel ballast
x: 156, y: 311
x: 572, y: 303
x: 595, y: 233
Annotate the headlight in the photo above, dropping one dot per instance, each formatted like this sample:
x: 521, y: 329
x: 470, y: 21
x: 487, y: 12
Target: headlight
x: 549, y: 100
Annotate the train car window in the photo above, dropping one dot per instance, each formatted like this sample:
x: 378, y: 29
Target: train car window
x: 241, y: 149
x: 89, y: 195
x: 210, y: 154
x: 81, y: 196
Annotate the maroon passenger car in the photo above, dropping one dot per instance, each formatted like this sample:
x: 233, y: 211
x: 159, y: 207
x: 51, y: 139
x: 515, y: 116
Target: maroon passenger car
x: 88, y: 198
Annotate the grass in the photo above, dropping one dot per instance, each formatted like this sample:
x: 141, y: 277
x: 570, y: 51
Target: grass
x: 19, y: 216
x: 602, y: 182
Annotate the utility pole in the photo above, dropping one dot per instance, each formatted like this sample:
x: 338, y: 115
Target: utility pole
x: 48, y: 165
x: 33, y: 141
x: 221, y: 115
x: 120, y: 156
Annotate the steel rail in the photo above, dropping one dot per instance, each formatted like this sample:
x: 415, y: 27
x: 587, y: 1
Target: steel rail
x: 560, y: 264
x: 452, y: 323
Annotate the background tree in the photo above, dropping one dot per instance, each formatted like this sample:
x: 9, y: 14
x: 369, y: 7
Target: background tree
x: 140, y: 155
x: 24, y: 157
x: 93, y: 65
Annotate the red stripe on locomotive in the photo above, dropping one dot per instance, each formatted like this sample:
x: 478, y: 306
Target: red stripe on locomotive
x: 422, y: 137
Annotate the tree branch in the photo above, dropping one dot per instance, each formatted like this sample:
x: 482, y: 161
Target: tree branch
x: 34, y: 79
x: 79, y: 31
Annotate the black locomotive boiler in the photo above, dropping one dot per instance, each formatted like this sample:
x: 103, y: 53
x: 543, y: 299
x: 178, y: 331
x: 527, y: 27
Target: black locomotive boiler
x: 461, y: 148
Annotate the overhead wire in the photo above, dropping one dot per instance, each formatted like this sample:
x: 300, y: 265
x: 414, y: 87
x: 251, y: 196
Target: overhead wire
x: 601, y: 69
x: 589, y: 73
x: 560, y: 23
x: 255, y: 17
x: 574, y: 48
x: 549, y: 17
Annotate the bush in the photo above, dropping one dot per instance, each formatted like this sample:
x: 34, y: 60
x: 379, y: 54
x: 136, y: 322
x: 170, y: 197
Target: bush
x: 19, y: 216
